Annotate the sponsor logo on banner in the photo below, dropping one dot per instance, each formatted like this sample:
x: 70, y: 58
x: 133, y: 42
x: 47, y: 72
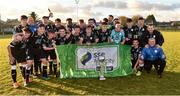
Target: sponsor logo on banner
x: 87, y: 57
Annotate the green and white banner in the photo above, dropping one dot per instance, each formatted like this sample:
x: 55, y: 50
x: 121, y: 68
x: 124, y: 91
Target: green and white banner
x: 83, y: 61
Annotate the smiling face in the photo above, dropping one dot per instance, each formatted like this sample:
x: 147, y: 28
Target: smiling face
x: 24, y: 22
x: 51, y: 35
x: 135, y: 43
x: 151, y: 42
x: 30, y: 20
x: 129, y: 24
x: 150, y: 29
x: 91, y: 22
x: 88, y: 30
x: 62, y: 32
x: 118, y: 27
x: 18, y: 38
x: 41, y: 30
x: 45, y: 20
x: 77, y: 30
x: 141, y: 22
x: 110, y: 18
x: 27, y: 35
x: 57, y: 23
x: 104, y: 27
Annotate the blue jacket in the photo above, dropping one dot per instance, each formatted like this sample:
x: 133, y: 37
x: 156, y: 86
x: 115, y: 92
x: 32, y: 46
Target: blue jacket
x: 152, y: 53
x: 33, y: 27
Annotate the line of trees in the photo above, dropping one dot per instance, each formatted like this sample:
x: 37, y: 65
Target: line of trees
x: 10, y: 23
x: 149, y: 19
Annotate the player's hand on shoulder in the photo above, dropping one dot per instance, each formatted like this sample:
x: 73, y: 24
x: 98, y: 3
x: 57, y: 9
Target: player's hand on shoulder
x: 158, y: 46
x: 146, y: 46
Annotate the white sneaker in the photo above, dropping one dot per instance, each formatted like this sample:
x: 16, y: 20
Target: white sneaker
x: 25, y: 84
x: 102, y: 78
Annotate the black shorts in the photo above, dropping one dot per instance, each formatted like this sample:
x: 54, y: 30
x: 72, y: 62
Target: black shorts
x: 51, y: 53
x: 36, y: 54
x: 19, y: 55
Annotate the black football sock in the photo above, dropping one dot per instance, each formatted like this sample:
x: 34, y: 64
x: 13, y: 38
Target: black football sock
x: 55, y: 68
x: 50, y: 67
x: 31, y: 70
x: 23, y: 70
x: 13, y: 73
x: 44, y: 70
x: 141, y: 67
x: 27, y: 73
x: 39, y: 66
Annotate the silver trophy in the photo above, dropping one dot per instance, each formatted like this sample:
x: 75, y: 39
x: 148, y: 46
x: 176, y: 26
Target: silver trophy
x: 102, y: 63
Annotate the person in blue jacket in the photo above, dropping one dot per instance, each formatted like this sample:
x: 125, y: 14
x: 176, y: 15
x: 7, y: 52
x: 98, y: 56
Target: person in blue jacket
x: 153, y: 55
x: 32, y: 25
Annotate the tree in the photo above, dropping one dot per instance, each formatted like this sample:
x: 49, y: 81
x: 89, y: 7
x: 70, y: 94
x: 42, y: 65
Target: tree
x: 34, y: 16
x: 135, y: 19
x: 123, y: 20
x: 151, y: 19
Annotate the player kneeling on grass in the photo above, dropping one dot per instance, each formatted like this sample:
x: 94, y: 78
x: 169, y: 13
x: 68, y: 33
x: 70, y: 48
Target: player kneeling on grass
x: 153, y: 55
x: 49, y: 48
x: 137, y: 63
x: 17, y: 53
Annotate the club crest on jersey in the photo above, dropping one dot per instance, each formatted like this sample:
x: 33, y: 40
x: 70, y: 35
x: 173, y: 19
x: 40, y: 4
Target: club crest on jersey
x: 155, y: 51
x: 28, y: 57
x: 143, y: 29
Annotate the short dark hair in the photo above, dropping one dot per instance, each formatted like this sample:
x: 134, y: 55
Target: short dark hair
x: 69, y: 19
x: 129, y: 20
x: 105, y: 20
x: 41, y: 25
x: 104, y: 23
x: 45, y: 17
x: 23, y: 17
x: 61, y: 27
x: 111, y: 16
x: 51, y: 31
x: 81, y: 20
x: 58, y: 20
x: 140, y: 18
x: 115, y: 19
x: 150, y: 24
x: 88, y: 26
x: 135, y: 40
x: 77, y: 26
x: 117, y: 22
x: 91, y: 19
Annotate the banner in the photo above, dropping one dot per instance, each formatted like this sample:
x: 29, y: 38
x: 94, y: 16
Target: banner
x: 83, y: 61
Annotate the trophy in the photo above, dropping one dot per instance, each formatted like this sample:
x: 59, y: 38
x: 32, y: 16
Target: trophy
x: 50, y: 13
x: 102, y: 63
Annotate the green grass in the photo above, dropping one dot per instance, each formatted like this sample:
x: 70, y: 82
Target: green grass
x: 145, y: 84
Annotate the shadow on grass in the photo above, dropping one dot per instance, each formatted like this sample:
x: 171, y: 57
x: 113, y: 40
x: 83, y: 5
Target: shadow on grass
x: 145, y: 84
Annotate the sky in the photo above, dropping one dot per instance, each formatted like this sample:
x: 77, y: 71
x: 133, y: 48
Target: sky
x: 163, y: 10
